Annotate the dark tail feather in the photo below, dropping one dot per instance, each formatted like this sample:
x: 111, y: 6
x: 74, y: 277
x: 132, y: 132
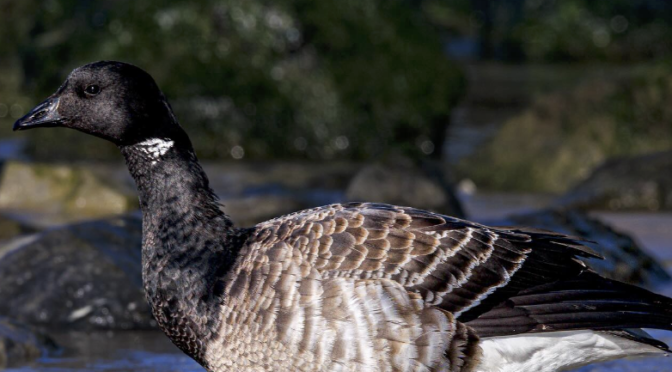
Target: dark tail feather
x: 587, y: 301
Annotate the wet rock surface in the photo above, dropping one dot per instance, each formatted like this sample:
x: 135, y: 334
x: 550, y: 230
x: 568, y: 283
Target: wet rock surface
x: 625, y: 259
x: 79, y: 276
x: 52, y: 193
x: 633, y: 183
x: 20, y: 344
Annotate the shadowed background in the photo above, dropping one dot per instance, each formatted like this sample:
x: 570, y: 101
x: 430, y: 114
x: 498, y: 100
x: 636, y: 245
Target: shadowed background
x: 548, y: 113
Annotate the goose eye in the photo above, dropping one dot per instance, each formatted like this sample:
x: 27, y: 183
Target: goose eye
x: 92, y: 89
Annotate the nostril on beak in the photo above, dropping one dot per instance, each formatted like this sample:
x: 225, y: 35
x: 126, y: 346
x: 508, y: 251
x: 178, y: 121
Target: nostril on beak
x: 39, y: 115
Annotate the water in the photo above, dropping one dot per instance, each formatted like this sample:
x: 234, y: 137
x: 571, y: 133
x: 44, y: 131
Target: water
x: 12, y: 148
x: 651, y: 230
x: 113, y: 352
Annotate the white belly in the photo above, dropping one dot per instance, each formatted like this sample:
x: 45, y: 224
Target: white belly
x: 556, y: 351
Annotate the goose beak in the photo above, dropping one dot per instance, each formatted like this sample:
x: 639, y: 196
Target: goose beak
x: 43, y: 115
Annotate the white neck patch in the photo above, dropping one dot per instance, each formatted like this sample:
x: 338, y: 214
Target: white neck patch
x: 155, y: 147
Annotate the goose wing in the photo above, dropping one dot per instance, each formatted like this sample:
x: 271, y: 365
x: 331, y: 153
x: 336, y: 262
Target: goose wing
x: 364, y: 285
x: 459, y: 266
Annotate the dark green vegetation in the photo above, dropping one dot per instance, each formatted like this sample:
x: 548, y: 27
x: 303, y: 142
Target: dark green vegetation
x: 559, y: 30
x: 356, y: 80
x: 259, y: 79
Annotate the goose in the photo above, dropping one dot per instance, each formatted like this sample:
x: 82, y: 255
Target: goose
x: 360, y: 287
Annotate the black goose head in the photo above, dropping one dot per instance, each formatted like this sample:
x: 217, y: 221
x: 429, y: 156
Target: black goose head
x: 112, y: 100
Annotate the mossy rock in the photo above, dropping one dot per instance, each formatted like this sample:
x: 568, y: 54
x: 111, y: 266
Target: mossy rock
x: 67, y: 192
x: 564, y: 135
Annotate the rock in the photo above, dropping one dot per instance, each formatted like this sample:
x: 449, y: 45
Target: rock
x: 20, y: 344
x: 252, y: 209
x: 252, y: 193
x: 624, y: 259
x: 565, y: 133
x: 64, y: 192
x: 406, y: 185
x: 633, y: 183
x: 80, y: 276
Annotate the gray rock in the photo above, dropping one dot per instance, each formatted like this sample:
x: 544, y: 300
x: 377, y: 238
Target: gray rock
x: 252, y: 209
x: 633, y: 183
x: 65, y: 193
x: 624, y: 259
x: 256, y: 193
x: 20, y: 344
x: 407, y: 185
x: 80, y: 276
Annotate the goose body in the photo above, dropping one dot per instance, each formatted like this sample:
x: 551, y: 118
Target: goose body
x: 346, y: 287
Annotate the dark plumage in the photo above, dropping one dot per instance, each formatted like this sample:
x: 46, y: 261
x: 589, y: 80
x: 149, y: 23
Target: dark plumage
x: 352, y: 287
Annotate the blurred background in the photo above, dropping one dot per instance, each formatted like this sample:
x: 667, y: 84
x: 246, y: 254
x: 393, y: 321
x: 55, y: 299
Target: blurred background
x: 555, y: 114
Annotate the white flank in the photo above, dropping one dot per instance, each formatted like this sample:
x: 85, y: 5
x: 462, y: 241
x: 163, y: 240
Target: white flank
x: 556, y: 351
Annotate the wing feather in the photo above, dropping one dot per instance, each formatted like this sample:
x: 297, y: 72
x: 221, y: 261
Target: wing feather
x: 460, y: 266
